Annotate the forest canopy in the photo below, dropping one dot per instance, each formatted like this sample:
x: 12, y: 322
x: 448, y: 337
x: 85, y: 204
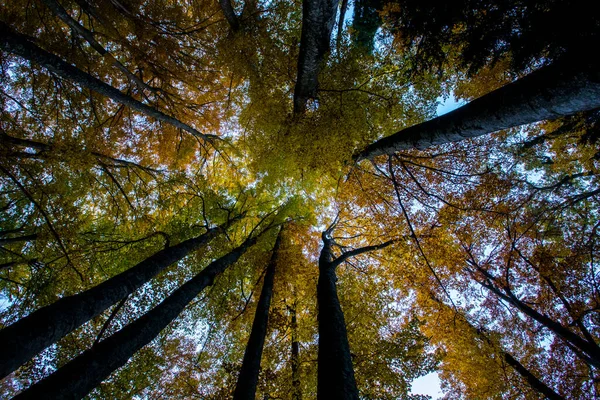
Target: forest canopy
x: 258, y: 199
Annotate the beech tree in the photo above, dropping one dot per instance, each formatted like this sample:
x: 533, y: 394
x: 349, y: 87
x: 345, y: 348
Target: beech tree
x: 150, y: 150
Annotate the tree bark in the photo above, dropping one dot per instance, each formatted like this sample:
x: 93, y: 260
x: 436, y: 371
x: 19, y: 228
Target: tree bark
x: 318, y: 18
x: 335, y: 375
x: 230, y: 16
x: 32, y: 334
x: 248, y: 378
x: 78, y: 377
x: 561, y: 89
x: 18, y: 44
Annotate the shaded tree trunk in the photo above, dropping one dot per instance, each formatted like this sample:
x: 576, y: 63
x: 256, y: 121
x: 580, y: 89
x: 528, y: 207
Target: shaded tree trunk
x: 230, y: 15
x: 32, y: 334
x: 18, y: 44
x: 587, y: 350
x: 365, y: 24
x: 78, y: 377
x: 296, y: 389
x: 248, y: 378
x: 335, y: 371
x: 531, y: 379
x: 25, y: 238
x: 564, y: 88
x: 318, y: 18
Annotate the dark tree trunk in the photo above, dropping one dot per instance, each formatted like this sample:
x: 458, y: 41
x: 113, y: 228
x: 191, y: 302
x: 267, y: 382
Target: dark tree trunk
x: 229, y: 14
x: 18, y: 44
x: 365, y: 24
x: 296, y: 390
x: 248, y: 378
x: 554, y: 91
x: 78, y: 377
x: 32, y: 334
x: 25, y: 238
x: 589, y: 351
x: 343, y: 9
x: 335, y: 374
x: 318, y: 18
x: 531, y: 379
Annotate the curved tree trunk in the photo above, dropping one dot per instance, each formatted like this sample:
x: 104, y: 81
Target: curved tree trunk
x: 78, y: 377
x: 248, y: 378
x: 554, y: 91
x: 335, y: 375
x: 18, y: 44
x: 318, y: 18
x: 32, y: 334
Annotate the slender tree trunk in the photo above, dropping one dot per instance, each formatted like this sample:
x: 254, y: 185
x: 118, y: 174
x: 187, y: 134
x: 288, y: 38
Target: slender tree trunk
x: 554, y: 91
x: 296, y: 389
x: 335, y: 374
x: 531, y: 379
x: 25, y: 238
x: 340, y: 28
x: 78, y: 377
x: 589, y: 351
x: 27, y: 337
x: 248, y: 378
x: 318, y: 18
x: 230, y: 15
x: 18, y: 44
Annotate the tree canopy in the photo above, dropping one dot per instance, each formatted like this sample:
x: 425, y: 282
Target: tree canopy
x: 257, y: 199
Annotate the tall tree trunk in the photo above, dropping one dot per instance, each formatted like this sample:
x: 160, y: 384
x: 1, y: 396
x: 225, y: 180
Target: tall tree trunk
x: 296, y: 389
x: 318, y: 18
x: 365, y: 24
x: 564, y: 88
x: 27, y: 337
x: 589, y: 351
x: 18, y: 44
x: 248, y: 378
x: 531, y: 379
x: 335, y: 374
x: 230, y: 15
x: 78, y: 377
x: 25, y: 238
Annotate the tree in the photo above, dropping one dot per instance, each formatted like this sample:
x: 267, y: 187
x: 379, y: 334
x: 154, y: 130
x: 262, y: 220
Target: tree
x: 246, y: 384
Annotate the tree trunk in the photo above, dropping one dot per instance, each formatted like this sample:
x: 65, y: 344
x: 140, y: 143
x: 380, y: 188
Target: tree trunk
x: 26, y: 238
x: 335, y: 374
x: 32, y: 334
x: 588, y: 351
x: 248, y: 378
x: 531, y: 379
x: 229, y: 14
x: 318, y: 18
x: 564, y: 88
x: 78, y: 377
x: 296, y: 390
x: 18, y: 44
